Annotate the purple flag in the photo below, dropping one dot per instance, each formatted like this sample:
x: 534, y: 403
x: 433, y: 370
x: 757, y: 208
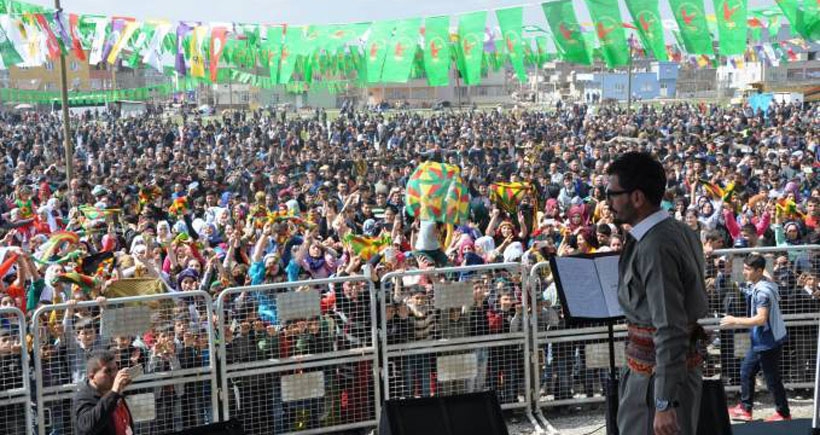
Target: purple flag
x: 62, y: 29
x: 489, y: 40
x: 117, y: 26
x: 182, y: 30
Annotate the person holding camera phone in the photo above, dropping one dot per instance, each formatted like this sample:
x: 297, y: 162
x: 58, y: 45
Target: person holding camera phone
x: 99, y: 404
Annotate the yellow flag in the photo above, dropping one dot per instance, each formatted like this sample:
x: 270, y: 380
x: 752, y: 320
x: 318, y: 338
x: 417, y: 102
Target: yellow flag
x: 197, y: 60
x: 116, y: 49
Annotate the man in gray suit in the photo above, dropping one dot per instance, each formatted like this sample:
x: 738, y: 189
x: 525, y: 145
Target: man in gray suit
x: 663, y: 294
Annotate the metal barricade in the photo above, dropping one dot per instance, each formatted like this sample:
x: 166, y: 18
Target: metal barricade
x: 571, y: 364
x: 300, y: 356
x: 796, y: 271
x: 15, y: 399
x: 170, y: 335
x: 457, y: 330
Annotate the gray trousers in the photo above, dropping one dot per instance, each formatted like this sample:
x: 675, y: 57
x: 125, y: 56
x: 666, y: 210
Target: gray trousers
x: 636, y: 409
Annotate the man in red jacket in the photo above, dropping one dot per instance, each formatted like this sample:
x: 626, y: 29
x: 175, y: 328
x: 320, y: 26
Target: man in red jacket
x: 99, y: 404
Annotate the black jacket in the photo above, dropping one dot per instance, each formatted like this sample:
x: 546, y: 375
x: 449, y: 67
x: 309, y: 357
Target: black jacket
x: 92, y: 412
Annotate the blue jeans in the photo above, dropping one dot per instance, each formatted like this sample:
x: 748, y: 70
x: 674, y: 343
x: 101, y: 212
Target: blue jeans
x: 769, y: 362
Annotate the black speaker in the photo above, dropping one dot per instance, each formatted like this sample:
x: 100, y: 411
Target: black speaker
x: 231, y: 427
x: 473, y: 414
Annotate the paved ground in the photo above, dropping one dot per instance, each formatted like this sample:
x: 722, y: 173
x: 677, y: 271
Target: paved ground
x: 589, y: 419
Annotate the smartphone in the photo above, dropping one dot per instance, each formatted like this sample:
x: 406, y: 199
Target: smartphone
x: 135, y: 371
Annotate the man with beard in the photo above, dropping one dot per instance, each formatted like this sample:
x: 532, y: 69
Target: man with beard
x: 662, y: 292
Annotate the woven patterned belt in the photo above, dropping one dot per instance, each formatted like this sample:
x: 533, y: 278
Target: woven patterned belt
x: 640, y: 349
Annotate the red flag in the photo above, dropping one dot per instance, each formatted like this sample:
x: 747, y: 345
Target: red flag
x: 73, y: 19
x: 217, y: 46
x: 53, y: 46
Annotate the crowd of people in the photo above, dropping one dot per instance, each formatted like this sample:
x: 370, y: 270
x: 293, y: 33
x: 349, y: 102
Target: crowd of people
x: 258, y: 197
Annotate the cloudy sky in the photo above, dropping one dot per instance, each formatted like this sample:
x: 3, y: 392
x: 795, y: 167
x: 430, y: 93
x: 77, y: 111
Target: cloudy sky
x: 317, y: 11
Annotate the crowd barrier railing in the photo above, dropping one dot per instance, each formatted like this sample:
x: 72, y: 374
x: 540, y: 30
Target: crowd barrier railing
x: 320, y: 355
x: 300, y: 356
x: 793, y: 268
x: 170, y: 335
x: 457, y: 330
x: 570, y: 362
x: 15, y: 398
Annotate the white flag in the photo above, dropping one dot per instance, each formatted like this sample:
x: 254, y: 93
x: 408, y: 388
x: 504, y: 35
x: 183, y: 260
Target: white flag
x: 99, y: 42
x: 152, y: 52
x: 775, y: 61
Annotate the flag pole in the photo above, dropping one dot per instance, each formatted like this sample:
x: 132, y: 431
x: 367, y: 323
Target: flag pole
x: 67, y: 145
x: 629, y: 82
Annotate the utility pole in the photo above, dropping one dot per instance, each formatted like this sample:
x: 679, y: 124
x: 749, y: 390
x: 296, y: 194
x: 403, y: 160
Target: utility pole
x: 67, y: 145
x: 629, y: 83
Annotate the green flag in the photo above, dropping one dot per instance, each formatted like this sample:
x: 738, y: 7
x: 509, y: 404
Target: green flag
x: 543, y: 54
x: 471, y: 45
x: 691, y: 20
x: 530, y: 55
x: 401, y: 51
x: 376, y: 49
x: 567, y: 31
x: 732, y: 26
x: 273, y: 43
x: 511, y: 21
x: 608, y: 25
x: 437, y: 50
x: 292, y: 48
x: 140, y: 41
x: 805, y: 19
x: 593, y: 50
x: 7, y: 51
x: 647, y: 19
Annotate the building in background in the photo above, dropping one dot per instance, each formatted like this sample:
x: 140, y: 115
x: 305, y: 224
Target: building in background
x: 650, y: 81
x: 81, y: 76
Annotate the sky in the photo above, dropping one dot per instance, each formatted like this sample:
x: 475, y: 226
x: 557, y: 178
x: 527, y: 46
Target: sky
x: 320, y: 11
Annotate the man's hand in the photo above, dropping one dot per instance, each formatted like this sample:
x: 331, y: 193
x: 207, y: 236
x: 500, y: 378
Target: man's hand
x: 666, y: 422
x: 728, y: 321
x: 121, y: 381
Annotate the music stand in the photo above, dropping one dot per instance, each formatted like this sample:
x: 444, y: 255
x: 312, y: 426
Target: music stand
x: 588, y: 291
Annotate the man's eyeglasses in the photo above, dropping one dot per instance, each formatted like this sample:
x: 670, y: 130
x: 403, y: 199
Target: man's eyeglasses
x: 610, y: 193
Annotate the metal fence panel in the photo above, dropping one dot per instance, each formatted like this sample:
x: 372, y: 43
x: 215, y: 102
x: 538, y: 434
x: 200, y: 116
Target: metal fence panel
x: 796, y: 271
x: 15, y: 410
x: 300, y: 356
x: 571, y: 360
x: 456, y: 330
x: 170, y: 335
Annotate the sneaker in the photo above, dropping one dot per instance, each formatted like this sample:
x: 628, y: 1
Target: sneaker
x: 740, y: 413
x: 778, y: 417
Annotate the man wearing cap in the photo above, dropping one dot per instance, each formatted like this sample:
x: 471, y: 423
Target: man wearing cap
x: 662, y: 292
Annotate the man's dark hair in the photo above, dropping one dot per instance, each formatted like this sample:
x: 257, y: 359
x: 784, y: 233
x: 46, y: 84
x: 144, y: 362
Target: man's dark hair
x: 640, y: 171
x: 713, y: 236
x: 97, y: 360
x: 755, y: 261
x: 604, y: 229
x: 84, y: 324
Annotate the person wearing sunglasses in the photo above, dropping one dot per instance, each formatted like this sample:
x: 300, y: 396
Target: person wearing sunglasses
x: 663, y: 294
